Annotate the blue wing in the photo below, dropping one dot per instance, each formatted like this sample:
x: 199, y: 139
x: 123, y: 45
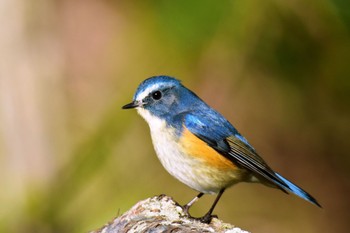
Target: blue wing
x: 218, y: 133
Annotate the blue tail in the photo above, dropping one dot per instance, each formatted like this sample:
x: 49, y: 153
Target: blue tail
x: 289, y: 186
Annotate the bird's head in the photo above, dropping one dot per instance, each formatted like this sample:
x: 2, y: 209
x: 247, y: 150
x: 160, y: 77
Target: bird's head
x: 162, y: 97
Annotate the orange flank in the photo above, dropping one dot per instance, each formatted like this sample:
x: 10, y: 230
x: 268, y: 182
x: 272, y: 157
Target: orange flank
x: 197, y: 148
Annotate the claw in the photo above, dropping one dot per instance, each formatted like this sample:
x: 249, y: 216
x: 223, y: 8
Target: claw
x: 205, y: 219
x: 186, y: 209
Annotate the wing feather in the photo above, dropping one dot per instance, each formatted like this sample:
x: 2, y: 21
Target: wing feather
x: 218, y: 133
x: 247, y: 157
x: 225, y: 139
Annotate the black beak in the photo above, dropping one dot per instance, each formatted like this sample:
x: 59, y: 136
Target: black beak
x: 130, y: 105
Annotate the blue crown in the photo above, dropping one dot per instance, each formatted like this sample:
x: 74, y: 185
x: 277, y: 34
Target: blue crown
x: 161, y: 80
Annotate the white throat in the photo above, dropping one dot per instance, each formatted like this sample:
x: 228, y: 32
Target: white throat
x: 154, y: 122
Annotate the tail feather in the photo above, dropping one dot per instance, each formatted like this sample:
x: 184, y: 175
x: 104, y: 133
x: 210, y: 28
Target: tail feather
x: 289, y: 186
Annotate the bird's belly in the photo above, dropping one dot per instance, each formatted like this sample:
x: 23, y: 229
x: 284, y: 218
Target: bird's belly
x: 194, y: 163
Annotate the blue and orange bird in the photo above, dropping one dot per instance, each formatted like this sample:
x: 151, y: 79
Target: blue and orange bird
x: 198, y: 146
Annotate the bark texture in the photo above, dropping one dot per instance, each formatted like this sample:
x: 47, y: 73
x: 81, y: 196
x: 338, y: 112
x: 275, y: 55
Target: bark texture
x: 162, y: 214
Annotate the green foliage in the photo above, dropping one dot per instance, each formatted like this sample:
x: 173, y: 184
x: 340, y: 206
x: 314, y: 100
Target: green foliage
x: 190, y: 24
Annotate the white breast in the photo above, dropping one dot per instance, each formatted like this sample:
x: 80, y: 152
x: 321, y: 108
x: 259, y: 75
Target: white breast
x: 168, y: 150
x: 186, y: 168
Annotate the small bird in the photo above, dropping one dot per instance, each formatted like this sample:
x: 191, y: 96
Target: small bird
x: 198, y: 146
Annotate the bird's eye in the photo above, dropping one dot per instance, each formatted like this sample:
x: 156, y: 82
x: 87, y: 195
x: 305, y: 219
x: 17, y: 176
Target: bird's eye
x: 156, y: 95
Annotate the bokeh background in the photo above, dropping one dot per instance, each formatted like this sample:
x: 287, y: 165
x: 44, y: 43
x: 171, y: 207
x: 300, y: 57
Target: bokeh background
x: 71, y: 159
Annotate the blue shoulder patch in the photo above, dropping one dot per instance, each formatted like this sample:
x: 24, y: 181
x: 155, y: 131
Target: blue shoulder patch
x: 209, y: 124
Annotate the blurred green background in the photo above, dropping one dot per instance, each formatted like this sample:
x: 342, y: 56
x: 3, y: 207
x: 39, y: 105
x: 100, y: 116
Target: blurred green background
x: 71, y: 159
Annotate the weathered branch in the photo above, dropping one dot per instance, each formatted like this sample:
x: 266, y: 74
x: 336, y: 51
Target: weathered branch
x: 162, y: 214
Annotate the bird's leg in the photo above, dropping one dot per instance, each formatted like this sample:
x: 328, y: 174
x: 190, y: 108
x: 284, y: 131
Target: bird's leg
x: 188, y: 205
x: 208, y: 216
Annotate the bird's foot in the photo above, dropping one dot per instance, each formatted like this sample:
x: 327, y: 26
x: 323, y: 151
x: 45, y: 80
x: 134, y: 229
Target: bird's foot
x: 205, y: 219
x: 186, y: 209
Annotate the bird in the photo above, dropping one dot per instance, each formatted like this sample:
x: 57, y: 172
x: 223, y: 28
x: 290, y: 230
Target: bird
x: 199, y: 146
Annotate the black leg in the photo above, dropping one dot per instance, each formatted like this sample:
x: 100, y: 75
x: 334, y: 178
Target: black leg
x: 188, y: 205
x: 208, y: 216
